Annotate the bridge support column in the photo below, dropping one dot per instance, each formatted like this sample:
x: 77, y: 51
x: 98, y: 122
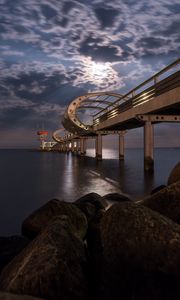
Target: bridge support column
x: 64, y: 147
x: 99, y: 147
x: 79, y: 145
x: 148, y: 146
x: 72, y: 146
x: 121, y: 145
x: 67, y: 147
x: 82, y: 146
x: 76, y: 145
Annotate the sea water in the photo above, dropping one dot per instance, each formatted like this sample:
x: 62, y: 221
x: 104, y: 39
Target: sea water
x: 28, y: 179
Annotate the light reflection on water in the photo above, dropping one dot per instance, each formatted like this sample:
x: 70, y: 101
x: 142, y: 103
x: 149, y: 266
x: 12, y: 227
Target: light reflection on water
x: 29, y: 179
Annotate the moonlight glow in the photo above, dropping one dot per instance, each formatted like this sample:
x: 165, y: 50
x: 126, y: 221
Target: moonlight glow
x: 102, y: 75
x: 99, y: 70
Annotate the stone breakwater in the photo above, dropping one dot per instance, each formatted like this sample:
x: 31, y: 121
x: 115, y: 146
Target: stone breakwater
x: 103, y: 248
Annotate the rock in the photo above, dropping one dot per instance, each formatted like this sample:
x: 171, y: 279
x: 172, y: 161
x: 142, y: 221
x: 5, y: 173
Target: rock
x: 90, y: 204
x: 10, y: 247
x: 93, y: 198
x: 175, y: 174
x: 135, y: 239
x: 157, y: 189
x: 53, y: 266
x: 88, y: 209
x: 116, y: 197
x: 94, y: 250
x: 166, y: 202
x: 8, y: 296
x: 40, y: 218
x: 93, y: 234
x: 141, y: 237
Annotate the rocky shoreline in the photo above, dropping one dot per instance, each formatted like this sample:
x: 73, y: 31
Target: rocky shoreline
x: 103, y: 248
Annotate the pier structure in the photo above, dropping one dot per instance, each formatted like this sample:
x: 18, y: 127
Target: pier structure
x: 153, y: 101
x: 44, y: 144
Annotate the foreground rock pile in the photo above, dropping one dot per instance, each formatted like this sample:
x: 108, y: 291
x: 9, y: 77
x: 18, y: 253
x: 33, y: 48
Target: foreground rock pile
x: 97, y: 247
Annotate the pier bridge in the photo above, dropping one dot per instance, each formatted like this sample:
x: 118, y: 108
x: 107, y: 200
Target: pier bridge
x: 153, y: 101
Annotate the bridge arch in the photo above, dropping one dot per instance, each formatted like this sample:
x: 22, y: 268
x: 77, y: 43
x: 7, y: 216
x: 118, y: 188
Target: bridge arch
x: 91, y: 101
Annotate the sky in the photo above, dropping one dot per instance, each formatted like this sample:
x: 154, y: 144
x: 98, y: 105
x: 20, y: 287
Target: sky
x: 50, y: 50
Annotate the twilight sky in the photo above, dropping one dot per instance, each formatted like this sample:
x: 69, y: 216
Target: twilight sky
x: 49, y: 51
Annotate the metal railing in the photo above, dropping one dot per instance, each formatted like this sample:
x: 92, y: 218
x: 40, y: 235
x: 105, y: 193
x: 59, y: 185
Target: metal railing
x: 136, y: 97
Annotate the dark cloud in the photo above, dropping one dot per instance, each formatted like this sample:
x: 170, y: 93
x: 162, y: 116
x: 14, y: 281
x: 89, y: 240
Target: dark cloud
x: 106, y: 16
x: 151, y: 42
x: 15, y: 117
x: 2, y: 28
x: 130, y: 2
x: 93, y: 47
x: 174, y: 8
x: 62, y: 23
x: 21, y: 29
x: 48, y: 11
x: 36, y: 86
x: 171, y: 29
x: 67, y: 6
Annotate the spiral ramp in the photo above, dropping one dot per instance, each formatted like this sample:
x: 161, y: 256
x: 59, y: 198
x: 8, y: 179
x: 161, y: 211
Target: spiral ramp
x: 78, y: 117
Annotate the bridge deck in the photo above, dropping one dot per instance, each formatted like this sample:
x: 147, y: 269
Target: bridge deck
x: 161, y: 98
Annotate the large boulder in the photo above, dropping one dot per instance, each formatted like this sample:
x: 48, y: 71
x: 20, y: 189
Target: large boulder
x: 116, y: 197
x: 41, y: 217
x: 53, y: 266
x: 175, y: 174
x: 10, y: 247
x: 89, y: 204
x: 157, y: 189
x: 88, y: 209
x: 93, y: 198
x: 140, y: 237
x: 8, y: 296
x: 93, y: 235
x: 166, y: 202
x: 135, y: 240
x: 94, y: 248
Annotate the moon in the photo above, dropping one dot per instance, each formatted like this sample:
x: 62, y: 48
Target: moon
x: 101, y: 75
x: 99, y: 70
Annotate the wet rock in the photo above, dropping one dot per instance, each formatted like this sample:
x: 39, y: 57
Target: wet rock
x: 175, y: 174
x: 94, y: 251
x: 157, y: 189
x: 142, y: 237
x: 40, y: 218
x: 90, y: 204
x: 8, y: 296
x: 93, y: 198
x: 93, y: 234
x: 166, y: 202
x: 10, y: 247
x: 88, y: 209
x: 53, y: 266
x: 135, y: 239
x: 116, y: 197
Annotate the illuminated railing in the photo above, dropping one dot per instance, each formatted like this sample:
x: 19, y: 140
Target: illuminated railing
x: 141, y: 93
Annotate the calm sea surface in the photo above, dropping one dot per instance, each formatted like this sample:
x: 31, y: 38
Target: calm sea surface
x: 29, y: 179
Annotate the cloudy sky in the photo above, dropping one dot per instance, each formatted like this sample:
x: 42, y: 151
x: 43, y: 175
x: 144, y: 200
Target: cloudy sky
x: 49, y: 51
